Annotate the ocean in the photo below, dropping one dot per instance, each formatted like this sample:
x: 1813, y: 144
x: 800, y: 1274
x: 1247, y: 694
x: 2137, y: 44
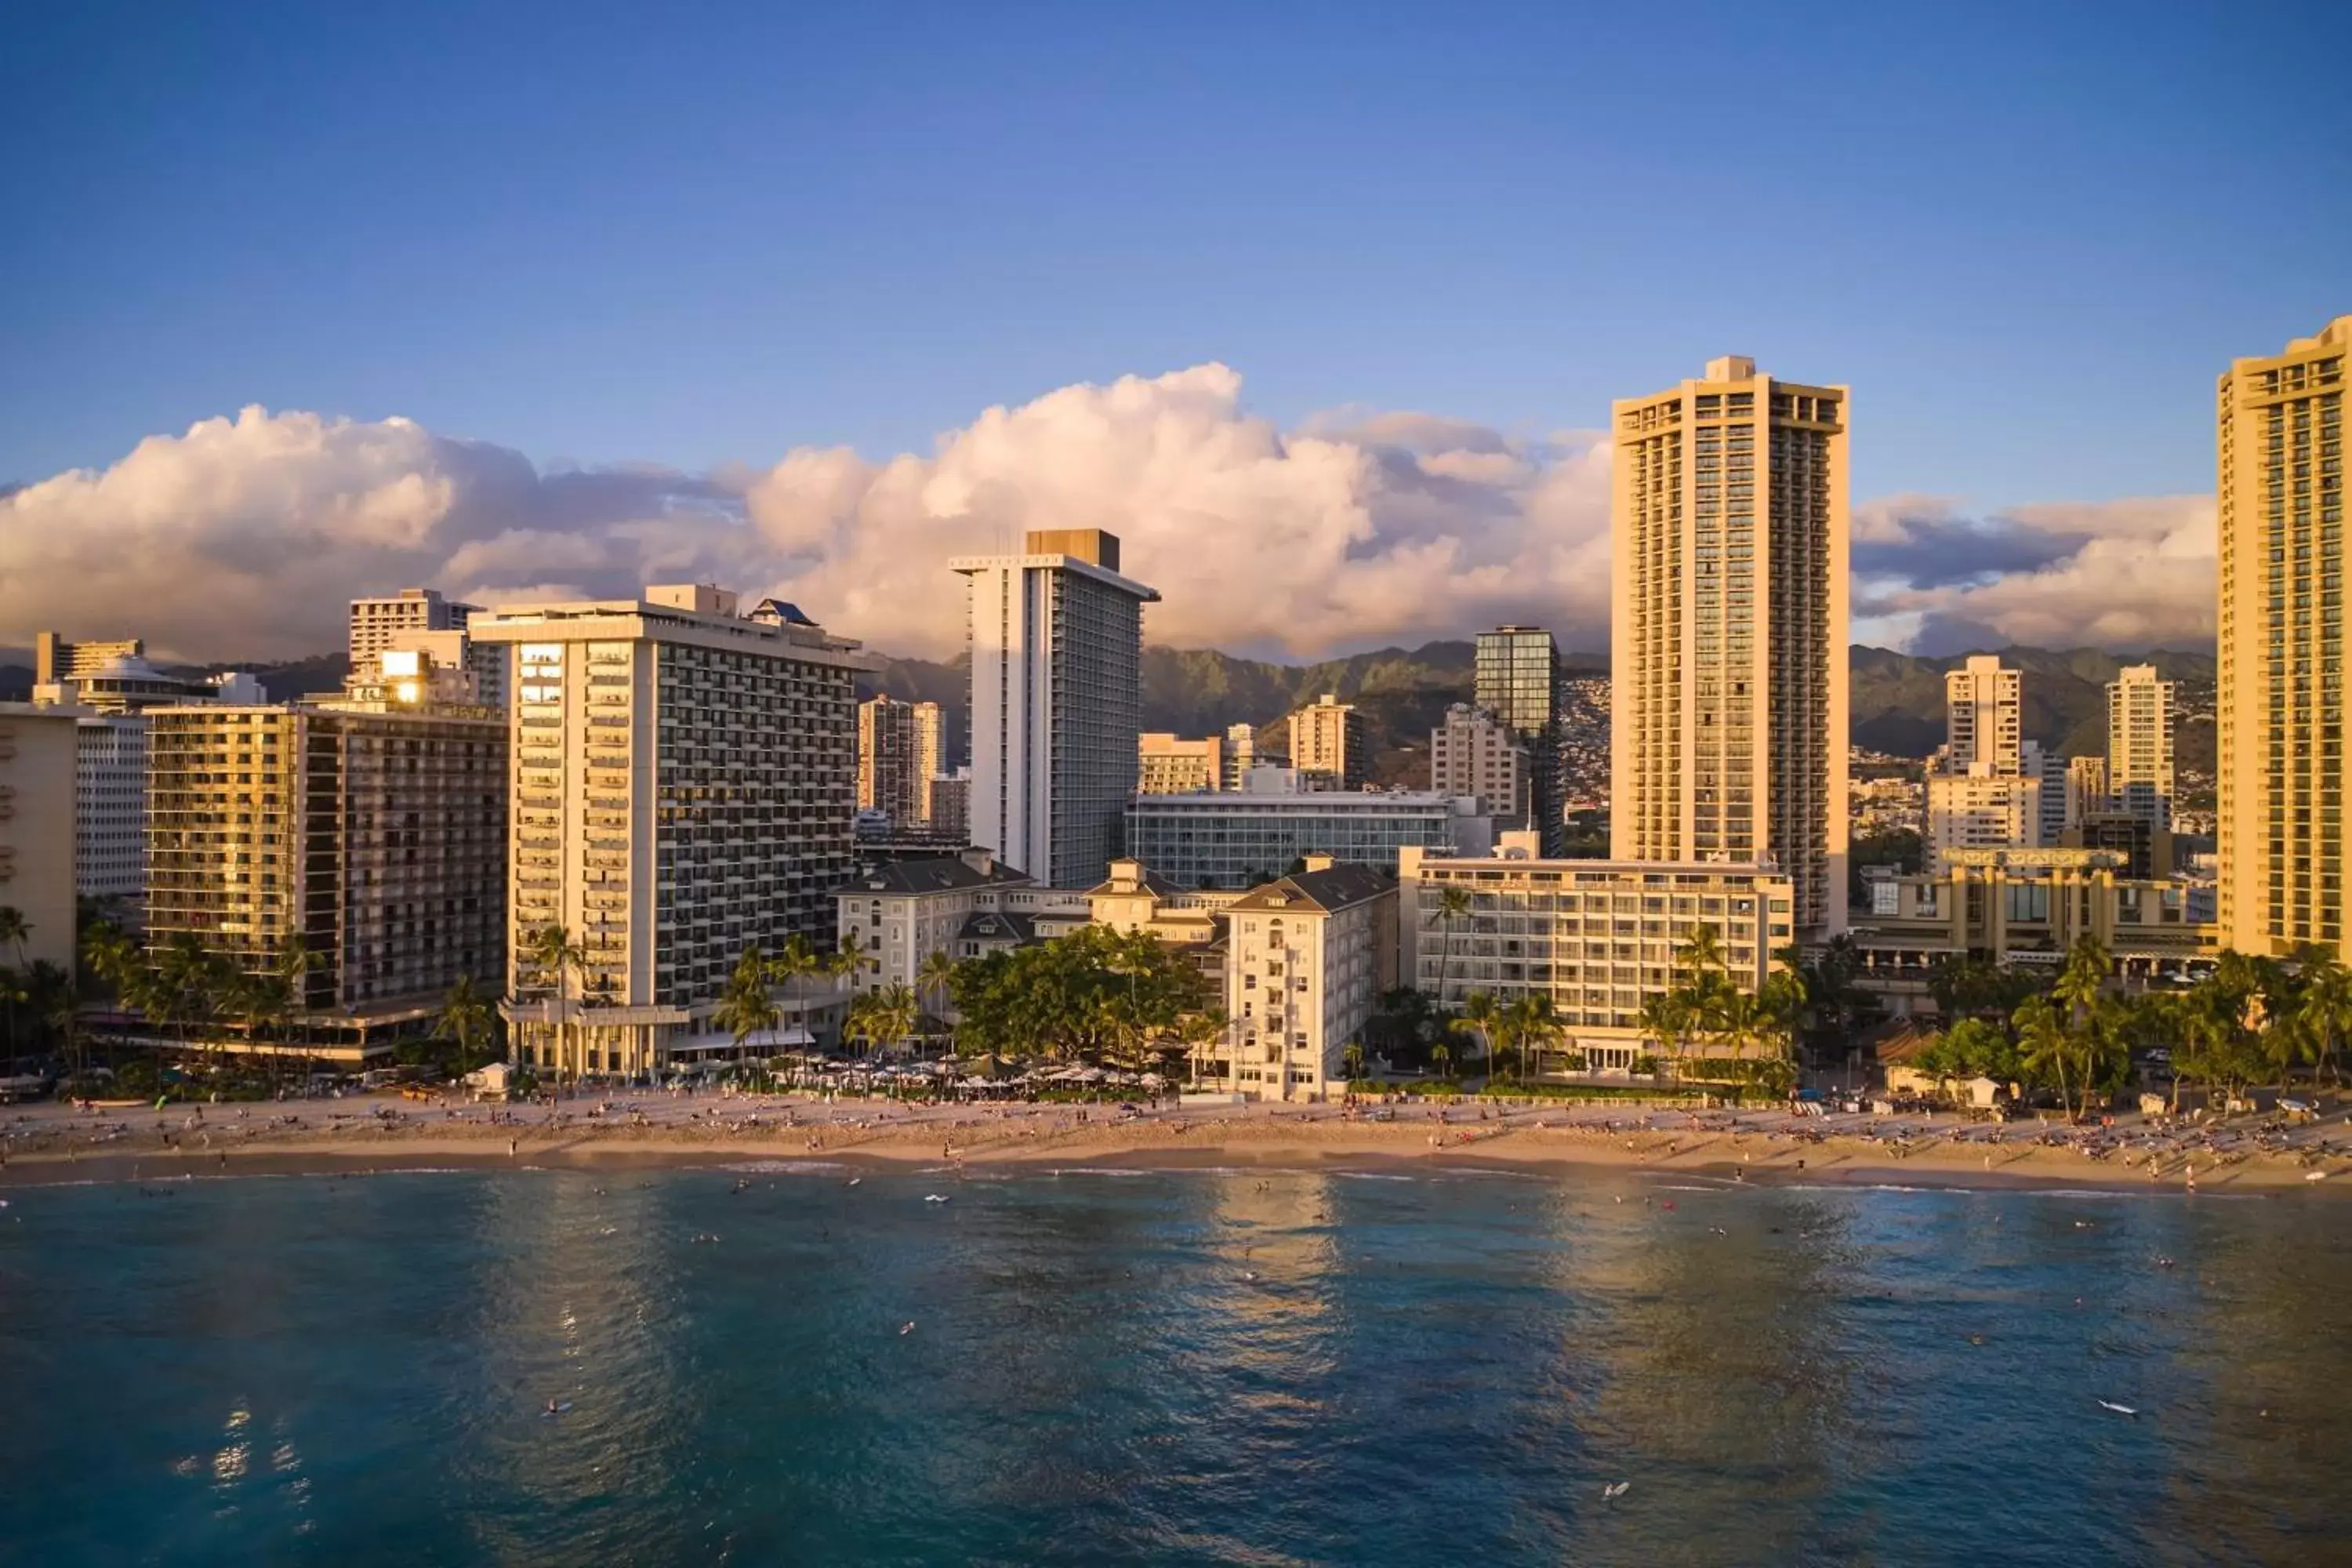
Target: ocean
x: 1196, y: 1367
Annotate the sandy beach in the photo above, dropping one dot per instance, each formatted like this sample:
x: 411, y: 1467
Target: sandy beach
x: 370, y: 1132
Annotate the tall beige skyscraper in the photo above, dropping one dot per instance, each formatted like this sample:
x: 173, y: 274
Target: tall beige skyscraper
x: 1327, y: 737
x: 684, y: 782
x: 2281, y: 685
x: 2139, y: 730
x: 1729, y: 525
x: 1982, y: 725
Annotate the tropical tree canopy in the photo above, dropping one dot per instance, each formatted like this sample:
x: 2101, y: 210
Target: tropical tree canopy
x: 1094, y: 995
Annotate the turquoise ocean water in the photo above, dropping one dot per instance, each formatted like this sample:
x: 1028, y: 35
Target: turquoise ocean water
x: 1184, y: 1368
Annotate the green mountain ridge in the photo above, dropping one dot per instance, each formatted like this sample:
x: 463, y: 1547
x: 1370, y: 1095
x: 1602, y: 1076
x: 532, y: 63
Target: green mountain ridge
x: 1895, y: 700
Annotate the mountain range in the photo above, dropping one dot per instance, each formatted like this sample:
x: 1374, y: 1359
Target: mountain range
x: 1896, y: 699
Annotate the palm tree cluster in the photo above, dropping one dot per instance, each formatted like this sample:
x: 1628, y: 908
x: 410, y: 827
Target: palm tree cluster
x: 1705, y: 1020
x: 38, y: 999
x: 1518, y: 1031
x: 199, y: 993
x: 2249, y: 1020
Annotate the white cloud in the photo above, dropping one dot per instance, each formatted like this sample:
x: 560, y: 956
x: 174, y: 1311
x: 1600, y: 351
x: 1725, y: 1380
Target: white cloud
x: 243, y: 538
x: 2136, y: 573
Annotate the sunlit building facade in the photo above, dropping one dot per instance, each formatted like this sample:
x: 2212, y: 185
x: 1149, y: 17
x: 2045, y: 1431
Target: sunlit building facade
x: 684, y: 784
x: 1730, y: 532
x: 1167, y: 763
x: 377, y: 838
x: 1327, y: 739
x: 1597, y: 938
x: 900, y: 749
x: 2280, y: 687
x: 39, y: 769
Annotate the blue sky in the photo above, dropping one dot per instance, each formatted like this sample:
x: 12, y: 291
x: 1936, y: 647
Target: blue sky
x: 671, y: 247
x: 607, y: 233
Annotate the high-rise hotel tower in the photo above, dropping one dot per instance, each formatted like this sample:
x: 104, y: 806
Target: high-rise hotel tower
x: 1056, y: 703
x: 1728, y: 734
x: 684, y: 784
x: 2281, y: 686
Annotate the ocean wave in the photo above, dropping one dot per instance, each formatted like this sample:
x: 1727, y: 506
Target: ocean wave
x: 1375, y: 1176
x: 785, y: 1167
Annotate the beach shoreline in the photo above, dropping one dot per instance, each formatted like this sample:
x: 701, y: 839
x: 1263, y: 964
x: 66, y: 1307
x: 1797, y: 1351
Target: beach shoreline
x: 338, y: 1139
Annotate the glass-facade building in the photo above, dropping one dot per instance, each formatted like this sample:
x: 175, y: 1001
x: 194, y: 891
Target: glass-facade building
x: 1517, y: 680
x: 1230, y: 839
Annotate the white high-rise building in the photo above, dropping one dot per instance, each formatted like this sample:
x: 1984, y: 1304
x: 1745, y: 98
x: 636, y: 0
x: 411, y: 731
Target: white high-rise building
x: 1729, y: 525
x: 1056, y: 638
x: 111, y: 805
x: 1983, y: 725
x: 1241, y: 754
x: 2139, y: 730
x: 1980, y: 811
x: 2051, y: 805
x: 684, y: 782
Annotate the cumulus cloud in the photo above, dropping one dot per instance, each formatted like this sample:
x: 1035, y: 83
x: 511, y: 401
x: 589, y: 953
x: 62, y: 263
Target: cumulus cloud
x: 243, y: 538
x: 2126, y: 574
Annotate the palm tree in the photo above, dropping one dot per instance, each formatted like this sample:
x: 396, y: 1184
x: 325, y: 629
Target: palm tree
x: 1351, y: 1061
x: 14, y: 929
x: 469, y: 1019
x: 856, y: 1021
x: 2326, y: 1008
x: 110, y: 954
x: 1702, y: 952
x: 2042, y: 1041
x: 1484, y: 1014
x: 1532, y: 1025
x: 902, y: 1011
x: 60, y: 999
x: 846, y: 957
x: 931, y: 980
x: 286, y: 989
x: 554, y: 957
x: 746, y: 1008
x: 1453, y: 903
x: 1440, y: 1057
x: 2084, y: 978
x: 1668, y: 1017
x: 1783, y: 1002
